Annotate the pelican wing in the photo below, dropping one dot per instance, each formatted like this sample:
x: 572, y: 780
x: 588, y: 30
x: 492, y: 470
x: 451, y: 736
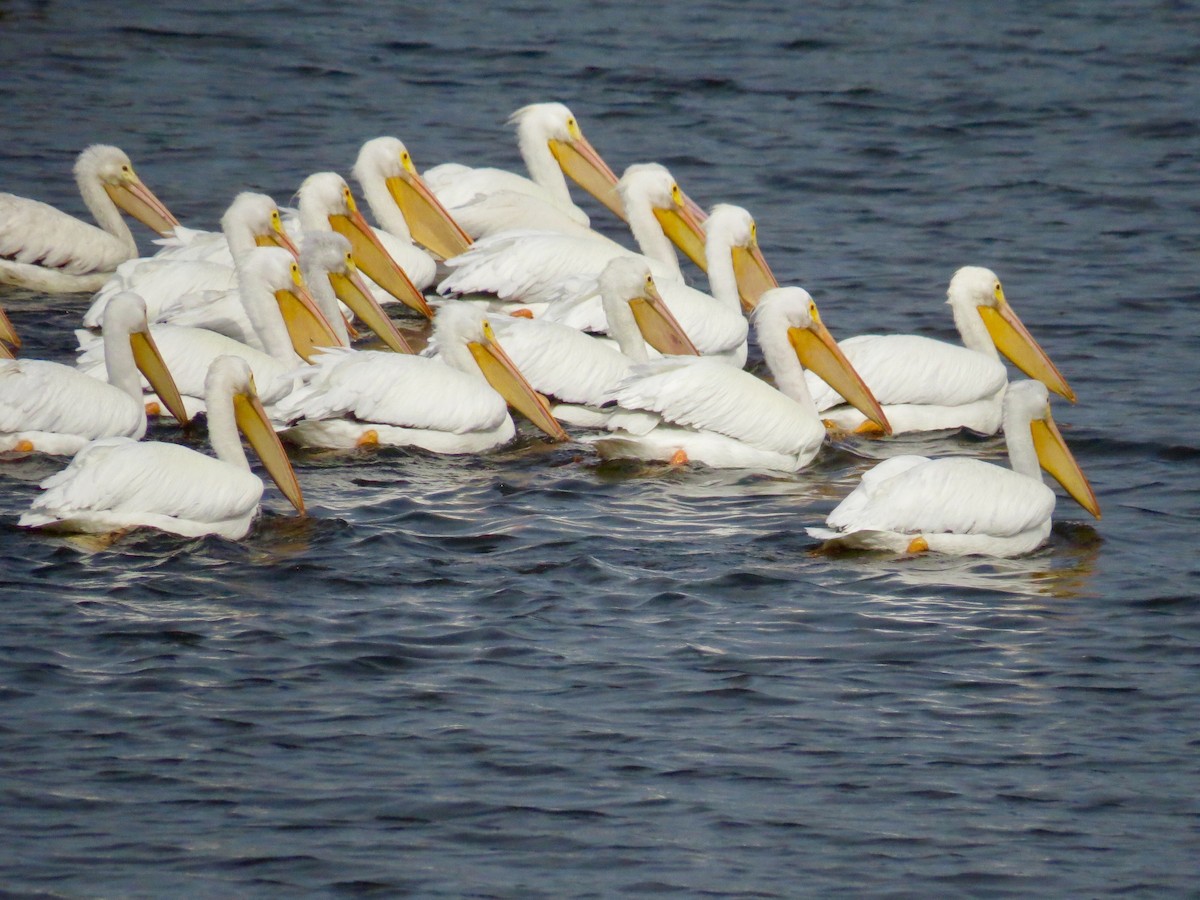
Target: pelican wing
x: 914, y: 495
x: 560, y: 361
x: 161, y: 282
x: 35, y: 233
x: 36, y: 395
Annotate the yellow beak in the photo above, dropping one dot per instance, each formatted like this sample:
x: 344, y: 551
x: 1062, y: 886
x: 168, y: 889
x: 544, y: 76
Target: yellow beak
x: 579, y: 160
x: 5, y: 353
x: 754, y: 276
x: 683, y: 223
x: 274, y: 238
x: 151, y: 364
x: 1014, y: 341
x: 252, y: 421
x: 508, y: 381
x: 431, y: 224
x: 7, y: 332
x: 658, y: 325
x: 306, y: 324
x: 819, y: 352
x: 350, y: 289
x: 373, y: 259
x: 139, y: 201
x: 1056, y: 458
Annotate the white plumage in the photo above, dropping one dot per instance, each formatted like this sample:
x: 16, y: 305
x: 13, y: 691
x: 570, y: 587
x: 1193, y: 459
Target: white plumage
x: 965, y: 506
x: 45, y: 249
x: 116, y: 484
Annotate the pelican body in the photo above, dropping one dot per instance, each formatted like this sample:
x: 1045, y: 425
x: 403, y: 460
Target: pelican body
x: 964, y: 506
x: 45, y: 249
x: 116, y: 484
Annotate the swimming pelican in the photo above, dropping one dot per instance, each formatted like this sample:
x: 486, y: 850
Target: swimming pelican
x: 117, y: 484
x: 51, y: 408
x: 189, y: 276
x: 285, y: 318
x: 930, y: 385
x: 734, y: 262
x: 552, y: 145
x: 45, y: 249
x: 406, y: 209
x: 712, y: 413
x: 452, y: 405
x: 326, y: 203
x: 961, y: 505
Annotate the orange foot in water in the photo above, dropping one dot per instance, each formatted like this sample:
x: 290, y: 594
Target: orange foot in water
x: 679, y: 458
x: 369, y: 438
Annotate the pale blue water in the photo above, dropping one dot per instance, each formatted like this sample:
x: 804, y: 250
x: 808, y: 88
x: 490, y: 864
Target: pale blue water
x: 530, y: 675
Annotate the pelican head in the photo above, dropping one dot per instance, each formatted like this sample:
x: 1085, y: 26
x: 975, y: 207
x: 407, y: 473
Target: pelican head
x: 734, y: 227
x: 230, y: 380
x: 428, y: 221
x: 326, y: 203
x: 977, y: 288
x: 276, y: 271
x: 681, y: 219
x: 253, y: 220
x: 1027, y: 405
x: 124, y: 321
x: 467, y: 342
x: 109, y: 167
x: 632, y: 304
x: 792, y: 311
x: 552, y: 125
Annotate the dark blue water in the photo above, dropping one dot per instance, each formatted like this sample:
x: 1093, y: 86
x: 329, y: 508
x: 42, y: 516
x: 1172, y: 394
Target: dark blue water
x: 527, y: 674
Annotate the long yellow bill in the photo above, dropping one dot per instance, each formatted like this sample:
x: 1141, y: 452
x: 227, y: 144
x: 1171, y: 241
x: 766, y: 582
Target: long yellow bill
x: 580, y: 161
x: 1014, y: 341
x: 754, y: 276
x: 151, y: 364
x: 819, y: 352
x: 349, y: 288
x: 7, y: 332
x: 683, y: 223
x: 1056, y: 458
x: 252, y: 421
x: 5, y: 353
x: 306, y: 324
x: 430, y: 222
x: 506, y: 378
x: 139, y: 201
x: 658, y: 325
x: 376, y: 262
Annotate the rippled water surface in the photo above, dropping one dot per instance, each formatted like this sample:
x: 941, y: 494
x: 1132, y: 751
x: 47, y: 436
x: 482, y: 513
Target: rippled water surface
x: 529, y: 674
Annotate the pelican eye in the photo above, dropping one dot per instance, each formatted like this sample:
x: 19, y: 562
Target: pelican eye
x: 487, y: 330
x: 297, y: 278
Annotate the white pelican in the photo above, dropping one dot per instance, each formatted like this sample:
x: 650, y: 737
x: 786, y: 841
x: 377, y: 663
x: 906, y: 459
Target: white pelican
x: 285, y: 319
x: 189, y: 276
x: 406, y: 210
x: 712, y: 413
x: 326, y: 204
x: 117, y: 484
x: 964, y: 506
x: 51, y: 408
x: 734, y: 262
x: 452, y: 405
x: 45, y: 249
x: 486, y: 201
x: 930, y: 385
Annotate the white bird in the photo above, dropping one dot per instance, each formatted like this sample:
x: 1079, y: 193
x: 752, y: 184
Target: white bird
x: 487, y: 200
x: 117, y: 484
x: 51, y: 408
x: 326, y: 204
x: 961, y: 505
x: 286, y: 322
x: 452, y: 405
x: 712, y: 413
x: 733, y: 260
x: 187, y: 277
x: 930, y: 385
x: 45, y: 249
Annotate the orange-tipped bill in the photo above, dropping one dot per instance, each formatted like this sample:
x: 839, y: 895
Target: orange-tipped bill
x: 350, y: 289
x: 1055, y: 457
x: 7, y: 332
x: 508, y: 381
x: 151, y: 364
x: 658, y: 325
x: 580, y: 161
x: 376, y: 262
x: 754, y: 276
x: 252, y: 421
x: 819, y: 352
x: 139, y: 201
x: 430, y: 222
x: 306, y: 324
x: 1014, y: 341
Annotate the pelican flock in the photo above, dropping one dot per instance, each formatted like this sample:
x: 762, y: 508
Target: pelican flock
x: 517, y: 304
